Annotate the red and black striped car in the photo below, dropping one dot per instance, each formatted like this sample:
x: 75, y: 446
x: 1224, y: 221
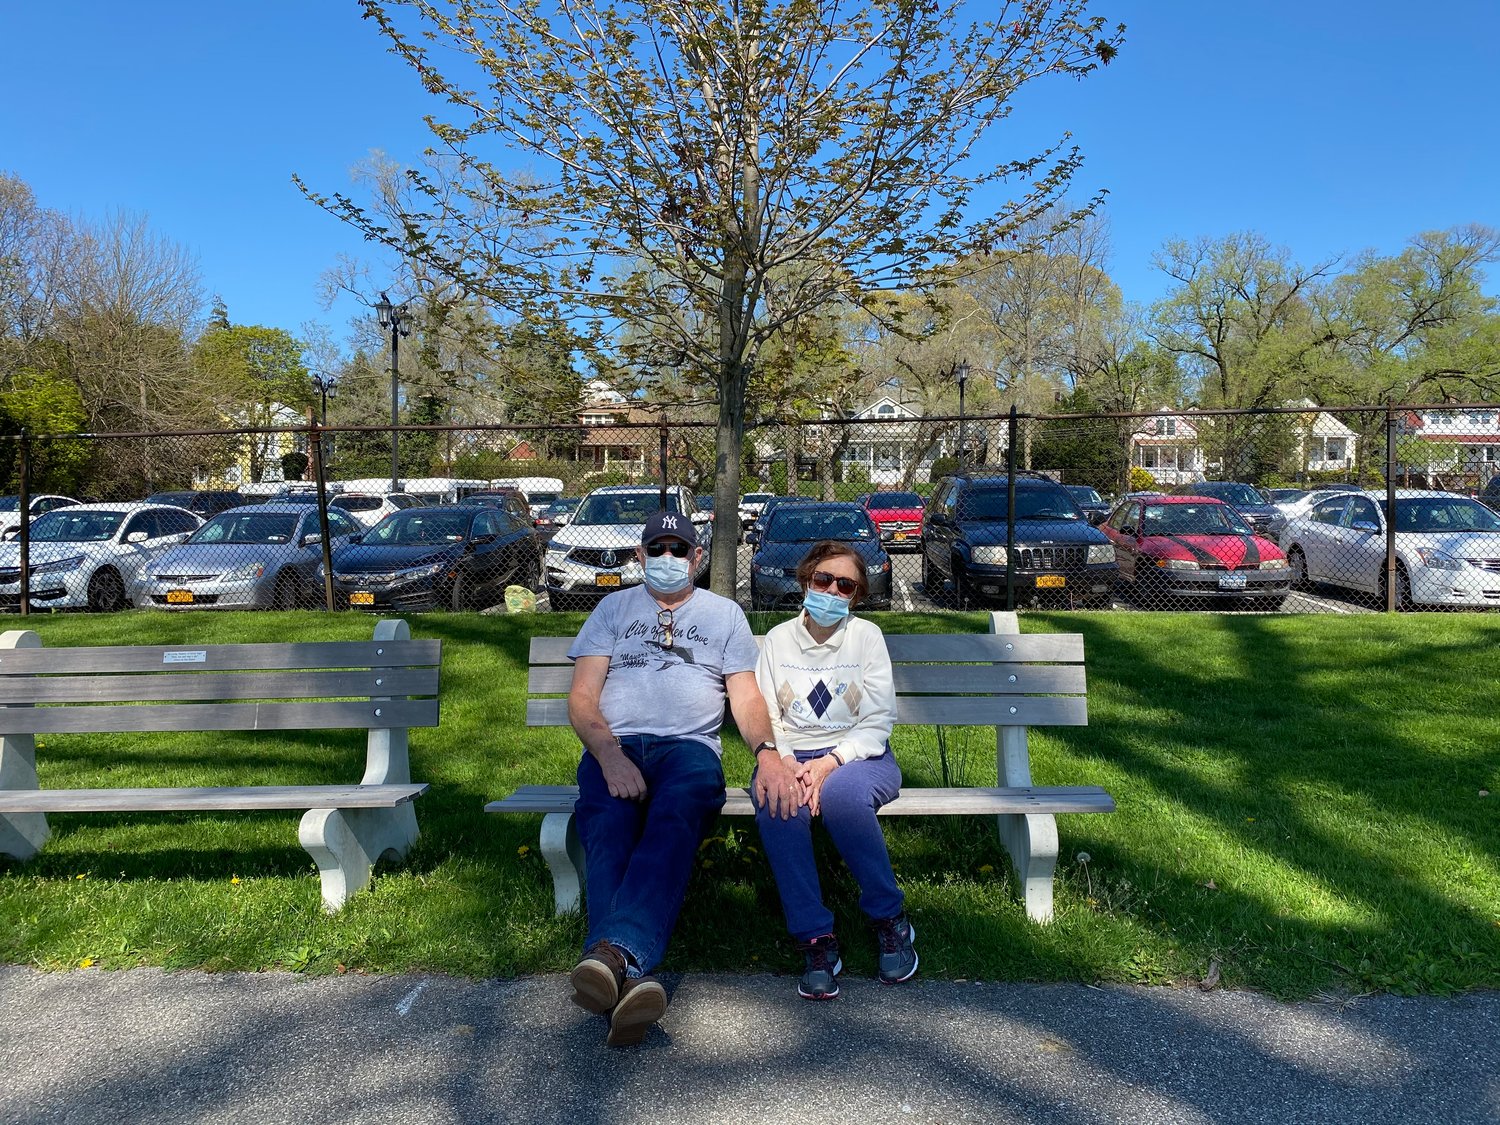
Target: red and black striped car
x: 1177, y: 548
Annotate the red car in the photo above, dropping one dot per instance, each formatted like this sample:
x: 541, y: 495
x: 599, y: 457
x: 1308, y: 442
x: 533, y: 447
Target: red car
x: 898, y: 518
x: 1172, y: 548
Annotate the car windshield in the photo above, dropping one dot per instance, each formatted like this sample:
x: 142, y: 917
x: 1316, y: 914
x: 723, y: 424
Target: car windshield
x: 756, y: 497
x: 1239, y: 494
x: 181, y: 499
x: 809, y: 525
x: 9, y: 503
x: 1285, y: 495
x: 69, y: 525
x: 1192, y: 519
x: 1441, y: 513
x: 893, y: 500
x: 1084, y: 494
x: 542, y: 497
x: 352, y: 503
x: 617, y: 508
x: 1031, y: 504
x: 247, y: 527
x: 560, y: 507
x: 416, y: 526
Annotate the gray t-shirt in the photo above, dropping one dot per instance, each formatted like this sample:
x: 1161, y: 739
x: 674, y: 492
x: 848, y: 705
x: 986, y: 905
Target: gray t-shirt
x: 675, y: 691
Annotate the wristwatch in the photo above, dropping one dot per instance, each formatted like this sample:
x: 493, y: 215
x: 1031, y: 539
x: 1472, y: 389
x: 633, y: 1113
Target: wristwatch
x: 767, y: 746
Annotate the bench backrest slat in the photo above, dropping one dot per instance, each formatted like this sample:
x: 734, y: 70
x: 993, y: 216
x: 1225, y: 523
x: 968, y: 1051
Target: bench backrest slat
x: 943, y: 710
x: 936, y: 679
x: 93, y: 688
x: 915, y: 648
x: 327, y: 715
x: 225, y: 658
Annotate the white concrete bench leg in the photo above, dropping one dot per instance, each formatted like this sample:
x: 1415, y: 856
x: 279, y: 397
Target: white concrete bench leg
x: 1030, y: 838
x: 347, y: 843
x: 21, y: 834
x: 563, y: 852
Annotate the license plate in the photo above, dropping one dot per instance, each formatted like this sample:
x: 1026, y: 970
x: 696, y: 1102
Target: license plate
x: 607, y: 580
x: 179, y: 597
x: 900, y: 537
x: 1051, y: 581
x: 1232, y: 582
x: 361, y: 597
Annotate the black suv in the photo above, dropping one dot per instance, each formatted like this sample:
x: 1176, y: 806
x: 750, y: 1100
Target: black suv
x: 1491, y: 493
x: 1059, y: 556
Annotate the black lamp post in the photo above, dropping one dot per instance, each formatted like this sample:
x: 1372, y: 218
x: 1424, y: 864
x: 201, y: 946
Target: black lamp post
x: 397, y: 318
x: 324, y: 383
x: 961, y: 373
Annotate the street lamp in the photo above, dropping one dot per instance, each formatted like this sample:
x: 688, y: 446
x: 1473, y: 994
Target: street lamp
x: 396, y: 318
x: 324, y: 383
x: 961, y: 373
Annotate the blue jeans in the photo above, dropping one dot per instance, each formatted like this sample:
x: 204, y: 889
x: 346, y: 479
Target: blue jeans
x: 849, y: 799
x: 639, y: 855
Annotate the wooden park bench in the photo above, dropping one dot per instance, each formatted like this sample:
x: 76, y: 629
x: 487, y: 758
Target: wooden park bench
x: 384, y: 686
x: 1003, y: 679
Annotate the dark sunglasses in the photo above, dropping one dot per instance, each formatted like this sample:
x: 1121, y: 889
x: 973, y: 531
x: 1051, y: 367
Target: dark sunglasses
x: 678, y: 548
x: 821, y: 580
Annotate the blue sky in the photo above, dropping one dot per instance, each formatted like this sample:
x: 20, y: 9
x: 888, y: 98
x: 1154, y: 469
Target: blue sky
x: 1331, y: 126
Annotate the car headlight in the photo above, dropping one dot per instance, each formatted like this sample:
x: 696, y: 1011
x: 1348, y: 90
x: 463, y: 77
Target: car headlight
x: 1273, y: 564
x: 1438, y: 560
x: 72, y: 562
x: 1177, y: 564
x: 1102, y: 553
x: 990, y: 556
x: 424, y: 571
x: 770, y: 571
x: 556, y: 557
x: 246, y: 573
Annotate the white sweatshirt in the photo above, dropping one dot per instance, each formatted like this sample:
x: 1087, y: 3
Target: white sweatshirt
x: 839, y: 693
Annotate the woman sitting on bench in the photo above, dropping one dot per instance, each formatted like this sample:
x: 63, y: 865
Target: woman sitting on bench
x: 826, y: 678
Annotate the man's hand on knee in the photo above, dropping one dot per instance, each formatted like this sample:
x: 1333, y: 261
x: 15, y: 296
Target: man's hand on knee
x: 623, y: 779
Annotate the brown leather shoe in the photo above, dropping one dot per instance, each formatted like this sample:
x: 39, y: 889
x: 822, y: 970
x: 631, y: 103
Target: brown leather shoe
x: 599, y: 978
x: 643, y: 1001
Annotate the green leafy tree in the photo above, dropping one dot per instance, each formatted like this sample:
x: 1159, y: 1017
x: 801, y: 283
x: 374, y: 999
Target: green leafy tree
x: 723, y: 146
x: 48, y: 409
x: 261, y: 377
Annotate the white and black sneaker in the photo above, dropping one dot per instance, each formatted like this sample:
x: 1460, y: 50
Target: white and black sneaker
x: 820, y: 981
x: 898, y: 960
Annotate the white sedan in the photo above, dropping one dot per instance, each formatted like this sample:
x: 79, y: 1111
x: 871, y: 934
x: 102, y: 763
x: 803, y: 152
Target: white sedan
x: 1447, y: 548
x: 88, y: 556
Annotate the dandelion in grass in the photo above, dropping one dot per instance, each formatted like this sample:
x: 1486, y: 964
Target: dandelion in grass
x: 524, y: 850
x: 78, y: 876
x: 1083, y: 861
x: 986, y: 869
x: 85, y: 963
x: 234, y: 881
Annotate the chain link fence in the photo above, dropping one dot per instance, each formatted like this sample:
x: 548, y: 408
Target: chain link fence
x: 1293, y: 509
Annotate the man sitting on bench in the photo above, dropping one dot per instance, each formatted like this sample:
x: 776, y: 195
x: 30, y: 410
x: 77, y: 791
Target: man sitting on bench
x: 652, y: 668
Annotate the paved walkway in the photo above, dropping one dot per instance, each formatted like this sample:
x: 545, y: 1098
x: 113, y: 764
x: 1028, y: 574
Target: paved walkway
x: 150, y: 1046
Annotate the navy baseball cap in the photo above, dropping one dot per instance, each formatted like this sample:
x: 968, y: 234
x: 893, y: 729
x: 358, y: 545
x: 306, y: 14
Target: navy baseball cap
x: 669, y: 525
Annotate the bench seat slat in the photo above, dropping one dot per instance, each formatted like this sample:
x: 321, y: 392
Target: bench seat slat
x: 186, y: 800
x: 912, y: 802
x: 328, y: 715
x: 943, y: 679
x: 233, y: 657
x: 219, y: 685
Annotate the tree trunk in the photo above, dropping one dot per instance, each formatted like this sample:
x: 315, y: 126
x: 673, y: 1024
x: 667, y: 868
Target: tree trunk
x: 729, y: 442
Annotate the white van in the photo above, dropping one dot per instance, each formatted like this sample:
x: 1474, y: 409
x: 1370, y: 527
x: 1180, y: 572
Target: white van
x: 540, y: 491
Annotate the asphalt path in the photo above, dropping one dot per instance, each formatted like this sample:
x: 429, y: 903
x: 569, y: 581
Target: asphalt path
x: 149, y: 1046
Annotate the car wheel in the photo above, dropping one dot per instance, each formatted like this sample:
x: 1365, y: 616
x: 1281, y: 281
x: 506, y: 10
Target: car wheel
x: 462, y: 597
x: 1403, y: 590
x: 1296, y: 562
x: 106, y: 591
x: 284, y: 594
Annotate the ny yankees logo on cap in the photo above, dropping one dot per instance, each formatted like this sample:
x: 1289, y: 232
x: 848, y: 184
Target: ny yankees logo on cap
x: 669, y: 525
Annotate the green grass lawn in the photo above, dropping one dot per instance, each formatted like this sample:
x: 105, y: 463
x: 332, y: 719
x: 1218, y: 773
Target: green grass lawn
x: 1303, y: 804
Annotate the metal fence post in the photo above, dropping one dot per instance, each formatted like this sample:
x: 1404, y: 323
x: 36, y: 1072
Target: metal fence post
x: 315, y: 443
x: 1390, y: 509
x: 1010, y: 511
x: 23, y: 510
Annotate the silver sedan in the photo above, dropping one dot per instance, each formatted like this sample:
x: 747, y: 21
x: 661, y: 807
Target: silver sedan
x: 262, y: 556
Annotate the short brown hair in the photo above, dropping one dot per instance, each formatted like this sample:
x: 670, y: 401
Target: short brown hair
x: 830, y: 549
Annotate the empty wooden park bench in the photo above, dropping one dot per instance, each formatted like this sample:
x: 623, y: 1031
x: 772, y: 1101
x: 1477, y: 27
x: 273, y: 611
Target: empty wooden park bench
x: 384, y: 686
x: 1005, y: 679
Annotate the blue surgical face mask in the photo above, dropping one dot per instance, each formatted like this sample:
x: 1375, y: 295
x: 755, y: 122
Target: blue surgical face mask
x: 667, y: 574
x: 825, y: 609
